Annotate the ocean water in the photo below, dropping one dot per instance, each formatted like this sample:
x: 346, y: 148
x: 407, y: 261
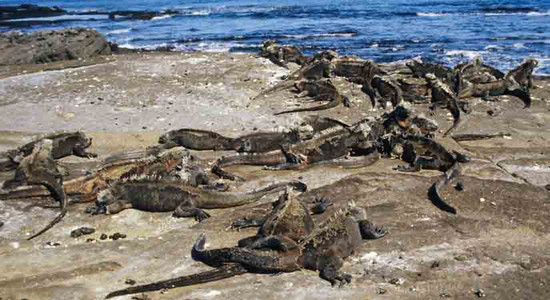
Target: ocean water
x: 502, y: 32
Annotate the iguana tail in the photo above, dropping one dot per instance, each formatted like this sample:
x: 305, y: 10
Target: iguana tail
x: 455, y: 111
x: 59, y: 195
x: 433, y: 192
x: 287, y: 83
x: 335, y: 102
x: 225, y: 271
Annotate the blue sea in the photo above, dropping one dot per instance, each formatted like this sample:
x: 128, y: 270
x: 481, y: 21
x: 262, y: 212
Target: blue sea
x: 503, y: 33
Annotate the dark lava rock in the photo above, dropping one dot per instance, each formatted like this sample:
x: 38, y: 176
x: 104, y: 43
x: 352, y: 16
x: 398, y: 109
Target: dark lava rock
x: 130, y: 281
x: 1, y: 224
x: 82, y: 231
x: 49, y: 46
x: 103, y: 237
x: 29, y: 11
x: 547, y: 187
x: 459, y: 186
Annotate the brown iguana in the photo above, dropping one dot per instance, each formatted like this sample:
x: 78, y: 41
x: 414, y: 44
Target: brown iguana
x: 443, y: 96
x: 313, y: 70
x: 421, y: 69
x: 523, y: 74
x: 282, y: 54
x: 495, y: 88
x: 319, y: 90
x: 332, y: 145
x: 323, y: 250
x: 477, y: 72
x: 425, y: 153
x: 182, y: 200
x: 64, y: 144
x: 39, y: 167
x: 85, y: 188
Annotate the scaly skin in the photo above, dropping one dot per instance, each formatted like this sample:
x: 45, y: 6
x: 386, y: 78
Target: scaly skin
x: 281, y: 55
x: 443, y: 96
x: 496, y: 88
x: 523, y: 74
x: 386, y: 88
x: 64, y: 144
x: 425, y: 153
x: 323, y: 250
x: 333, y: 144
x: 85, y: 188
x: 421, y: 69
x: 320, y: 90
x: 182, y: 200
x: 39, y: 167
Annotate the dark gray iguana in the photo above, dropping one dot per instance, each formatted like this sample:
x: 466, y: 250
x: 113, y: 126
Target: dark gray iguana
x: 40, y: 168
x: 425, y: 153
x: 182, y: 200
x: 323, y: 250
x: 63, y: 144
x: 386, y: 88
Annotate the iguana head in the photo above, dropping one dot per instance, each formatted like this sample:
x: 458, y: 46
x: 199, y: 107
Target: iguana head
x: 84, y: 140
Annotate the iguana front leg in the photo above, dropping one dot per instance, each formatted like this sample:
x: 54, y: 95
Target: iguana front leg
x: 329, y: 267
x: 188, y: 209
x: 369, y: 231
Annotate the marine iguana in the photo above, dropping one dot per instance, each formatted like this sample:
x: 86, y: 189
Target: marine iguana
x: 443, y: 96
x: 289, y: 219
x: 281, y: 55
x: 319, y: 90
x: 182, y: 200
x: 323, y: 250
x: 496, y: 88
x: 421, y: 69
x: 63, y: 144
x: 386, y: 88
x: 425, y: 153
x: 523, y: 74
x: 476, y: 71
x: 333, y: 144
x: 39, y: 167
x: 313, y: 70
x: 165, y: 165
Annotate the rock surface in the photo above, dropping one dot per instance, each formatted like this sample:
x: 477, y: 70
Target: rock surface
x: 50, y: 46
x: 498, y: 246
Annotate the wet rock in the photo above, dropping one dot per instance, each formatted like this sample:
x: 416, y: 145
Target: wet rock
x: 82, y: 231
x: 29, y: 11
x: 49, y: 46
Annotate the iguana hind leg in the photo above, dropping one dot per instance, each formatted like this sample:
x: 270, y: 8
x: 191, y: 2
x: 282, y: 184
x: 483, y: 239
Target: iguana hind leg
x: 274, y: 242
x: 329, y: 267
x: 369, y: 231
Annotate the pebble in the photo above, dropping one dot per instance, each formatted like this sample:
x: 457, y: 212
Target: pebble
x: 381, y: 291
x: 547, y: 187
x: 53, y: 244
x: 481, y: 200
x: 444, y: 295
x: 397, y: 281
x: 130, y: 281
x: 459, y: 186
x: 117, y: 236
x: 435, y: 264
x: 493, y: 204
x: 82, y: 231
x: 479, y: 293
x: 103, y: 236
x: 1, y: 224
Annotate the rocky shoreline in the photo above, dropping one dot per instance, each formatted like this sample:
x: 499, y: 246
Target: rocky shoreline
x: 495, y: 247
